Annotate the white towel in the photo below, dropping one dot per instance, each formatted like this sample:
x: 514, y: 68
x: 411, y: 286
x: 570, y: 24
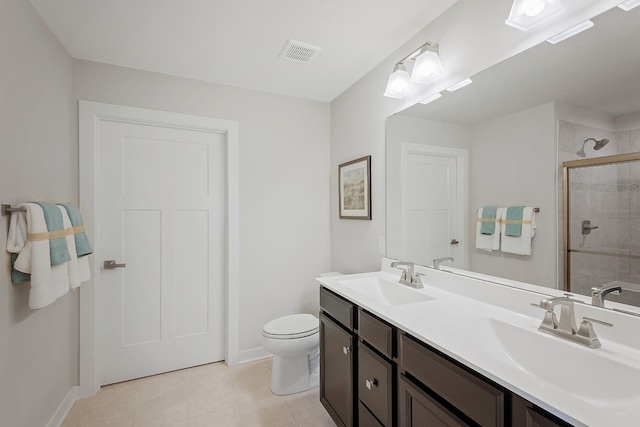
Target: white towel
x: 485, y: 241
x: 519, y: 245
x: 73, y: 271
x: 33, y: 256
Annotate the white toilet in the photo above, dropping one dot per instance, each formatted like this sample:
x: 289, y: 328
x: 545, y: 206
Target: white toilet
x: 294, y: 342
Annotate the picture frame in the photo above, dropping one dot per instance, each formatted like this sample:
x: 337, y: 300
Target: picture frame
x: 354, y: 189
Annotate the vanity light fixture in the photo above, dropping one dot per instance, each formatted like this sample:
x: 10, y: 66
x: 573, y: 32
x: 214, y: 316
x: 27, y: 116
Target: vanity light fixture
x: 459, y: 85
x: 431, y: 98
x: 399, y: 84
x: 526, y: 14
x: 629, y: 4
x: 426, y: 68
x: 571, y: 32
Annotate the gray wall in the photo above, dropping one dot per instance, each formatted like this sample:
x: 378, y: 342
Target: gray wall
x: 38, y: 160
x: 284, y: 193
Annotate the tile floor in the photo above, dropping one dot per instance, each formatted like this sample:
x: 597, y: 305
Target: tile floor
x: 205, y: 396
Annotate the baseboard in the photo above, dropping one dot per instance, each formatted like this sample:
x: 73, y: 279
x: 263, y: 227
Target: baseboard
x: 253, y: 354
x: 61, y: 413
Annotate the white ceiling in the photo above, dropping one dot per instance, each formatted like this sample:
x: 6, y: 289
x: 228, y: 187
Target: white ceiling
x: 238, y: 42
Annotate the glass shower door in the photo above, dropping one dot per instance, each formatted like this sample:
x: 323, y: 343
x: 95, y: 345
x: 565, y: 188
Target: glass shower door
x: 602, y: 226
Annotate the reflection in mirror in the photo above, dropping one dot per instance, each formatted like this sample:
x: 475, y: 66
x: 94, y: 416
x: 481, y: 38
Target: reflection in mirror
x: 519, y: 121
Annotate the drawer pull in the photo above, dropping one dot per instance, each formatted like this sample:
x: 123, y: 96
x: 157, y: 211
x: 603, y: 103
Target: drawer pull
x: 346, y: 350
x: 371, y: 383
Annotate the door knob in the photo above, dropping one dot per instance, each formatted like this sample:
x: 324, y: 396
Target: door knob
x: 111, y: 264
x: 454, y: 242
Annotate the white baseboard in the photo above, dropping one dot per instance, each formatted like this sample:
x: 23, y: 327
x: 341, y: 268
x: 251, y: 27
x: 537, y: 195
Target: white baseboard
x: 61, y: 413
x: 253, y: 354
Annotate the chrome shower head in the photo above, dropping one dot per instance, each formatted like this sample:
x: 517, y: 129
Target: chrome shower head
x: 597, y: 146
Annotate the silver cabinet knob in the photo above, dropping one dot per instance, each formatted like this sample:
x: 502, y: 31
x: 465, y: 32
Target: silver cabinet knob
x: 111, y: 264
x: 346, y: 350
x: 371, y: 383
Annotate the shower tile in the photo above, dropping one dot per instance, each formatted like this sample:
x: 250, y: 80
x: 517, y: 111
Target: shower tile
x: 567, y: 141
x: 634, y: 140
x: 634, y: 204
x: 623, y: 140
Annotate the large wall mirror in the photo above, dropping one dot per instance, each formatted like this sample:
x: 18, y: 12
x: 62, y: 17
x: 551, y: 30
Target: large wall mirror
x: 502, y: 141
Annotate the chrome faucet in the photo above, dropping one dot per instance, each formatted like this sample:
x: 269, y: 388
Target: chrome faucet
x: 437, y: 261
x: 566, y: 327
x: 598, y: 294
x: 408, y: 277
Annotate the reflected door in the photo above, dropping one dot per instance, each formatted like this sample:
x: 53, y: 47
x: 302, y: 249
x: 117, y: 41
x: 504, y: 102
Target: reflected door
x: 163, y: 219
x: 433, y: 190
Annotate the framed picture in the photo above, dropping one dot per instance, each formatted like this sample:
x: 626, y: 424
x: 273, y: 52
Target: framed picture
x: 354, y: 181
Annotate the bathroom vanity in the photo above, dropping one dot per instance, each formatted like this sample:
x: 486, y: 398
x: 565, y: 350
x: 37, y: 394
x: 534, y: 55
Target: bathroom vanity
x: 466, y: 351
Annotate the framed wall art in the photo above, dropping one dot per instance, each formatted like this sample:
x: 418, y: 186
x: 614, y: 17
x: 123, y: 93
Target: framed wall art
x: 354, y: 181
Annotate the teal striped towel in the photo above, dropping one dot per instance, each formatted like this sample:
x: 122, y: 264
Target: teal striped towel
x: 83, y: 247
x: 513, y: 226
x: 57, y: 245
x: 488, y: 225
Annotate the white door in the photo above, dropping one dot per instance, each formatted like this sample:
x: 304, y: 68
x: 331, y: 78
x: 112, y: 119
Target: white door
x: 433, y: 203
x: 163, y: 210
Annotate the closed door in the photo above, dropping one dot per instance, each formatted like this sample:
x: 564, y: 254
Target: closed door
x: 162, y: 222
x: 432, y: 205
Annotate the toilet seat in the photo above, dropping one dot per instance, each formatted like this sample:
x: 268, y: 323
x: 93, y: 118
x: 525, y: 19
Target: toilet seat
x: 291, y: 327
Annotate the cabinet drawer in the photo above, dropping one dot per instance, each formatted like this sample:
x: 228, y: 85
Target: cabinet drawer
x: 417, y: 408
x: 476, y: 398
x: 375, y: 332
x: 526, y: 414
x: 375, y: 384
x: 365, y: 419
x: 338, y: 307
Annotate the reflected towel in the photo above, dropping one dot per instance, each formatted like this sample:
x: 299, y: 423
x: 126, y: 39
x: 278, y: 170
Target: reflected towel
x: 488, y: 220
x: 484, y: 241
x: 513, y: 221
x: 520, y: 245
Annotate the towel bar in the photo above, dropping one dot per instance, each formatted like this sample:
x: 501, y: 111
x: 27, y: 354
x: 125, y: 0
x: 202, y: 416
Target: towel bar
x: 7, y: 209
x: 536, y: 210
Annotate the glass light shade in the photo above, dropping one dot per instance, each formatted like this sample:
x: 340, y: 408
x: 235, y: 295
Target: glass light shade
x: 526, y: 14
x: 427, y: 67
x: 399, y: 84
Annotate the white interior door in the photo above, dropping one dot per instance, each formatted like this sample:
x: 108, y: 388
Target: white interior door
x: 433, y: 203
x: 163, y: 210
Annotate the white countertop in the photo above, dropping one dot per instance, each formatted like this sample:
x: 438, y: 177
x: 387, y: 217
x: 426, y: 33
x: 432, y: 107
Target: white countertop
x: 493, y: 329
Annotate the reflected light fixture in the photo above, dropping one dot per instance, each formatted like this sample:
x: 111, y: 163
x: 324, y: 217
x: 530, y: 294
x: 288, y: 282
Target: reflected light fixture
x: 526, y: 14
x: 399, y: 84
x: 431, y: 98
x: 571, y: 32
x: 426, y: 68
x: 629, y: 4
x: 459, y: 85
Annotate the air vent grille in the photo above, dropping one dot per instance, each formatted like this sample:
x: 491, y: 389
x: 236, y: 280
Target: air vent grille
x: 298, y: 51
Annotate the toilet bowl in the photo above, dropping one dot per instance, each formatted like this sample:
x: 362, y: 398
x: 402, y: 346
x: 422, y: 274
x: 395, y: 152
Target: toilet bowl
x: 294, y: 342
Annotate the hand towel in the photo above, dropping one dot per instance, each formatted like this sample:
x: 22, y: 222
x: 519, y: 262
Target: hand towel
x: 514, y: 220
x: 55, y: 233
x: 484, y: 241
x: 83, y: 247
x: 519, y: 245
x: 488, y: 220
x: 33, y: 255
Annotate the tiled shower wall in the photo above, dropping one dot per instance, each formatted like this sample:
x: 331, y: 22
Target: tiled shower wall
x: 608, y: 196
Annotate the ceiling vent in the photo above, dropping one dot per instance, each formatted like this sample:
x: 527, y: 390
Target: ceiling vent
x: 298, y: 51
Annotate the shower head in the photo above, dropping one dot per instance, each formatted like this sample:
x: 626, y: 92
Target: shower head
x: 598, y: 145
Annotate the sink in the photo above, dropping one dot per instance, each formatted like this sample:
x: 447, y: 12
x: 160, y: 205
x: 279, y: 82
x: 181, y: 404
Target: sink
x: 585, y: 373
x: 385, y: 292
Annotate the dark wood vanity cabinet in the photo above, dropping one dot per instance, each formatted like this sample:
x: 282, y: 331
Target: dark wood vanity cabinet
x: 375, y: 375
x: 337, y: 359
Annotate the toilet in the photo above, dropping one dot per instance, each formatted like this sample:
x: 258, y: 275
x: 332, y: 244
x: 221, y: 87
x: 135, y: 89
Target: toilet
x: 294, y: 342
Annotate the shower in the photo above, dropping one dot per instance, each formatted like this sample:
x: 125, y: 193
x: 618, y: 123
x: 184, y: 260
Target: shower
x: 598, y: 145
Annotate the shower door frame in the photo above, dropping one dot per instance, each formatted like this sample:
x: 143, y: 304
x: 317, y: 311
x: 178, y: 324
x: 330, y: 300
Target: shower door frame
x: 566, y: 205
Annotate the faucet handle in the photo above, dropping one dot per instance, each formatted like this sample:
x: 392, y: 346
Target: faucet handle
x: 586, y: 331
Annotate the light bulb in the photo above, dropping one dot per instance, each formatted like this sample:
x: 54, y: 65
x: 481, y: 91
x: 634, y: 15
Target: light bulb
x: 532, y: 7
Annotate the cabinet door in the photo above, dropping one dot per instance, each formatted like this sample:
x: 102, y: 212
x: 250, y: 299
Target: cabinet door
x: 337, y: 371
x: 417, y: 409
x: 375, y: 384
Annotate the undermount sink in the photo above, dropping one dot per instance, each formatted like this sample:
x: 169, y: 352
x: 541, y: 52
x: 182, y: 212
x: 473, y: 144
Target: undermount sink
x: 580, y: 371
x: 385, y: 292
